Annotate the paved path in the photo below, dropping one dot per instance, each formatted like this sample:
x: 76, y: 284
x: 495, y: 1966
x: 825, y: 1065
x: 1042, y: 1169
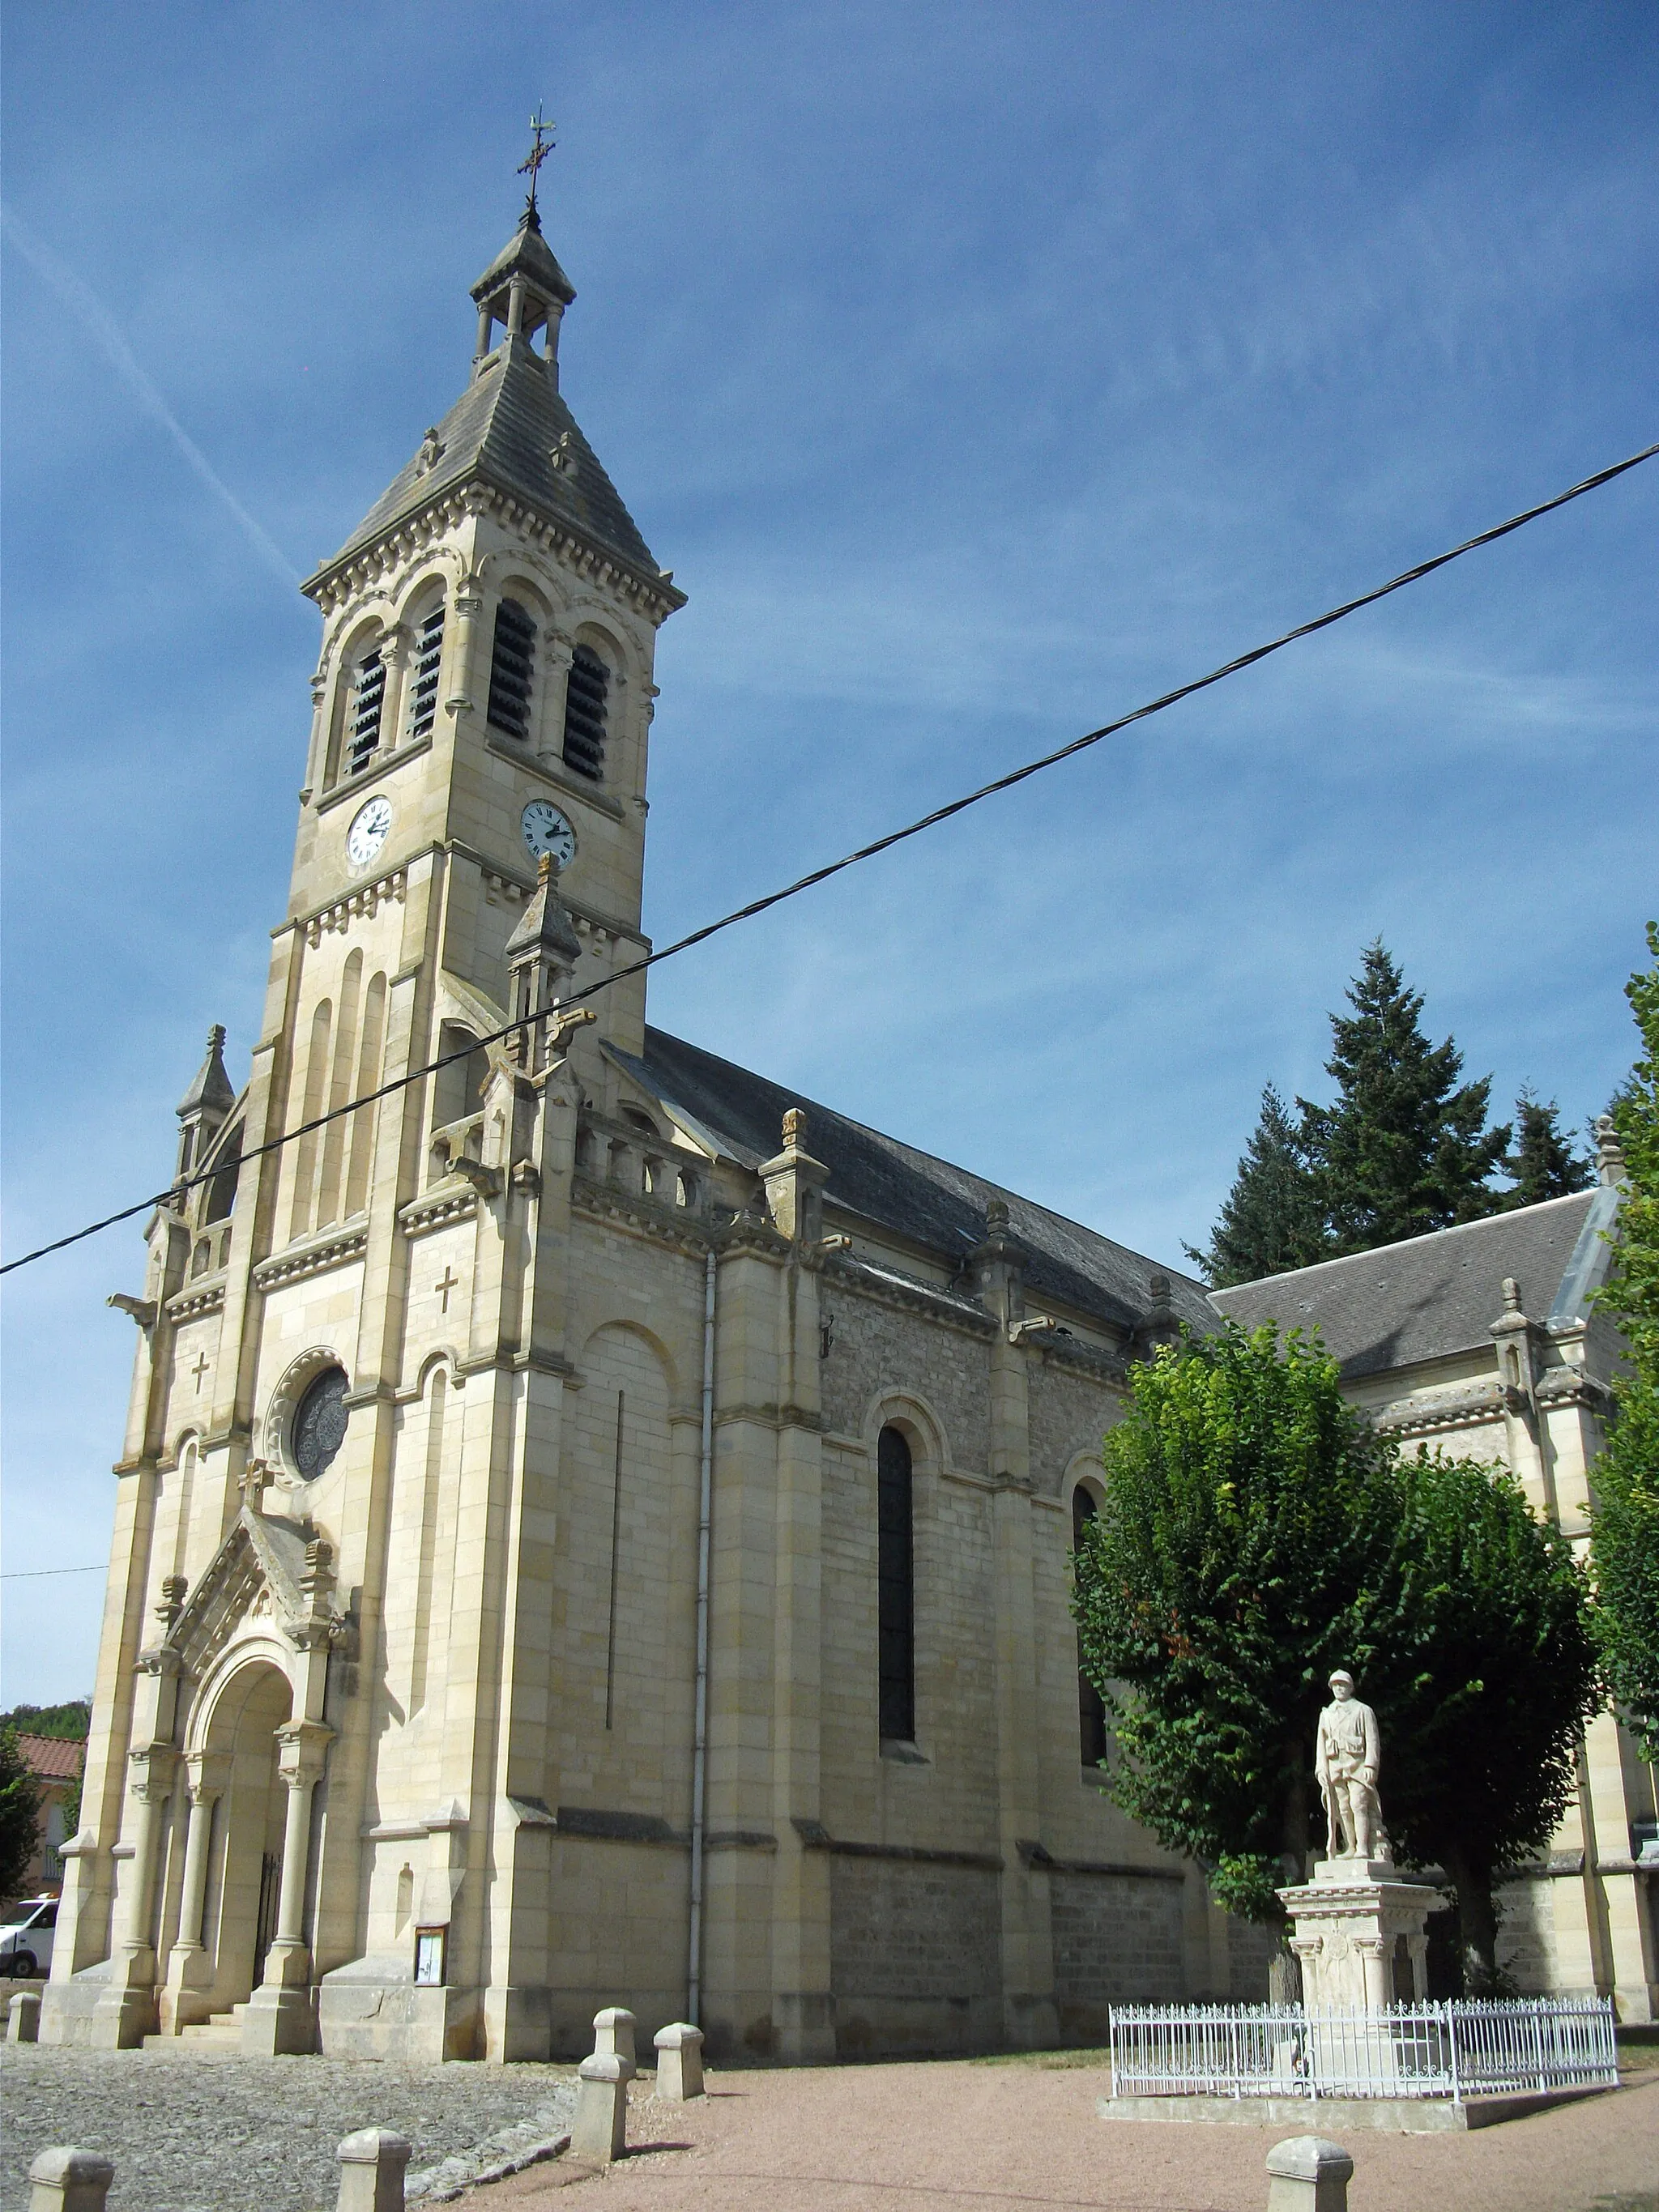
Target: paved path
x: 967, y: 2136
x: 258, y: 2135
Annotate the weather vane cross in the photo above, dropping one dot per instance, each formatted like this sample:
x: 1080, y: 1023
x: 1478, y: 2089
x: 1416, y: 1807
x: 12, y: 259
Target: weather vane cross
x: 541, y: 145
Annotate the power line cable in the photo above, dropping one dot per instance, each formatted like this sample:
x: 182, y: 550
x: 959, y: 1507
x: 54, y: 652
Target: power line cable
x: 33, y: 1574
x: 816, y: 876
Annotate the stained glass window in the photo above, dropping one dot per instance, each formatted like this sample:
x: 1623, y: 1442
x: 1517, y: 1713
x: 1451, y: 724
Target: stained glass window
x: 319, y: 1426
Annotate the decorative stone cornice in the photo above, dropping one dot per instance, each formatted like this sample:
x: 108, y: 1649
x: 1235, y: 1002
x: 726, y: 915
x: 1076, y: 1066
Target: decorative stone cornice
x: 650, y: 1217
x: 1057, y: 1350
x: 815, y: 1837
x: 908, y: 1295
x: 205, y: 1297
x: 360, y: 905
x: 1473, y: 1402
x: 332, y: 586
x: 315, y: 1257
x: 447, y: 1202
x: 1571, y: 1386
x: 772, y: 1416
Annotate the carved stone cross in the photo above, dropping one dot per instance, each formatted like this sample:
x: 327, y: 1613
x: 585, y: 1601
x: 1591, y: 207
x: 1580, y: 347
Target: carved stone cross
x: 449, y: 1281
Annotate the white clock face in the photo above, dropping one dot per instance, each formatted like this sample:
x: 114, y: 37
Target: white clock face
x: 368, y: 833
x: 546, y: 831
x: 370, y: 827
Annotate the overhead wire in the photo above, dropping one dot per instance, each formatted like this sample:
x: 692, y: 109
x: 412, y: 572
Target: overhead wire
x: 882, y: 844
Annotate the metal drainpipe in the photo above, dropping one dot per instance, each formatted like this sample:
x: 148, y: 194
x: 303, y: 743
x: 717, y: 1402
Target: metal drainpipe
x: 699, y: 1738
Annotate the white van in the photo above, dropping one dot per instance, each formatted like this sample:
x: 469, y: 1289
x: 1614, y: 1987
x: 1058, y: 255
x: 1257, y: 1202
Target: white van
x: 26, y: 1937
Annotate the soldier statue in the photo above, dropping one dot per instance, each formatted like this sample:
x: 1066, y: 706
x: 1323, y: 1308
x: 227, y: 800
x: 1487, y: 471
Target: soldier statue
x: 1346, y: 1761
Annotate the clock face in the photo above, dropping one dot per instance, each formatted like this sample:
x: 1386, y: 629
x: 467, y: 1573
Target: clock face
x: 370, y: 827
x: 546, y: 831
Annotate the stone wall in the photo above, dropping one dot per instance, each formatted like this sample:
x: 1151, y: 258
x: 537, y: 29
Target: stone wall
x: 914, y: 1954
x: 1118, y: 1940
x: 875, y: 1346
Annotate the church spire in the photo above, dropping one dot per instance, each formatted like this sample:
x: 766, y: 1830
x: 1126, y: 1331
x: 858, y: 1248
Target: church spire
x: 203, y: 1108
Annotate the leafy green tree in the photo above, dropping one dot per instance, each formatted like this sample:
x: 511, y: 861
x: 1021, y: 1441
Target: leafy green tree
x: 1405, y: 1148
x: 1271, y: 1219
x: 1544, y: 1164
x: 20, y: 1807
x: 1249, y: 1518
x: 66, y: 1724
x: 1625, y: 1520
x: 1485, y: 1675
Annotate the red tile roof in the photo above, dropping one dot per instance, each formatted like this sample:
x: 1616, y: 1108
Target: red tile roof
x: 52, y: 1758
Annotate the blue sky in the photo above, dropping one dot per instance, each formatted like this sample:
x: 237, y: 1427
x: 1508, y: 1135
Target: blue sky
x: 980, y: 372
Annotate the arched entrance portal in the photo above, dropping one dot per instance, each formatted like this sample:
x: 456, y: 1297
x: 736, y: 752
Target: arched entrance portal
x: 234, y: 1847
x: 242, y: 1750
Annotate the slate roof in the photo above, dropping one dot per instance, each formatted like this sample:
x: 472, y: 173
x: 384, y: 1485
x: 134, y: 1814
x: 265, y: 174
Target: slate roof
x: 1432, y: 1296
x: 927, y: 1200
x: 504, y: 428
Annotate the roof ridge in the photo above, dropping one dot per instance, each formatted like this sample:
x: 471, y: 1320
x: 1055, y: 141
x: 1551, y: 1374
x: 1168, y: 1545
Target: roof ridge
x: 1404, y: 1243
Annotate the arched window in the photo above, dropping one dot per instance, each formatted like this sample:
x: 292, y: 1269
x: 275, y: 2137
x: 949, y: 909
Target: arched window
x: 585, y: 697
x: 511, y: 663
x: 1091, y: 1707
x: 896, y: 1597
x: 363, y: 715
x: 423, y: 677
x: 221, y: 1191
x: 319, y: 1425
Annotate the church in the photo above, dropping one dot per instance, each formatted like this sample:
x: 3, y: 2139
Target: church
x: 592, y: 1526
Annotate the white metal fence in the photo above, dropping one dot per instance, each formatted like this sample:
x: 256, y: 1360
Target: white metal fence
x: 1464, y: 2049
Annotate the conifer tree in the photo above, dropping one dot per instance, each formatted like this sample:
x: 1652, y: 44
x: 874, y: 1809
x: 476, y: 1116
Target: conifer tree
x: 1404, y: 1149
x: 1624, y: 1522
x: 1543, y: 1164
x: 1270, y: 1220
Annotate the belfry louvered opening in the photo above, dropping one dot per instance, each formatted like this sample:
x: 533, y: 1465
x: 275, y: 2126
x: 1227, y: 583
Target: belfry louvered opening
x: 512, y: 663
x: 363, y: 719
x: 423, y: 680
x: 584, y: 713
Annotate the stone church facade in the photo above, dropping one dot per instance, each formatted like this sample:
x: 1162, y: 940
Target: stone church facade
x: 593, y: 1527
x: 586, y: 1531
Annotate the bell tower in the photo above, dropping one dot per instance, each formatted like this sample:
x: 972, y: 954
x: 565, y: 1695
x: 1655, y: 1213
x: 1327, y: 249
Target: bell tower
x: 484, y: 692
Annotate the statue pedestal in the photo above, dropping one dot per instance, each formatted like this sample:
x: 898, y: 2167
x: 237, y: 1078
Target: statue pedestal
x: 1361, y: 1932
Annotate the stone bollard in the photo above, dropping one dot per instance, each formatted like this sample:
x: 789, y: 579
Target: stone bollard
x: 679, y: 2061
x: 23, y: 2017
x: 1309, y: 2175
x: 599, y: 2131
x: 372, y: 2163
x: 65, y: 2180
x: 613, y: 2034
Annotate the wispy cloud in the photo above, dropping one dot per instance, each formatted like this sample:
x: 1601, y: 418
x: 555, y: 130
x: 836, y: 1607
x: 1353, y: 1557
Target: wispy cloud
x: 83, y: 302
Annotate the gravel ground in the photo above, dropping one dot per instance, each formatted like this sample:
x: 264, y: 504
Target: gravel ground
x: 205, y: 2134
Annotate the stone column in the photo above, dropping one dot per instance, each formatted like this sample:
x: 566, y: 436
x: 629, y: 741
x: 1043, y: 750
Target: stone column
x: 125, y: 2012
x: 1377, y: 1955
x: 469, y: 605
x: 279, y: 2014
x: 183, y: 1997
